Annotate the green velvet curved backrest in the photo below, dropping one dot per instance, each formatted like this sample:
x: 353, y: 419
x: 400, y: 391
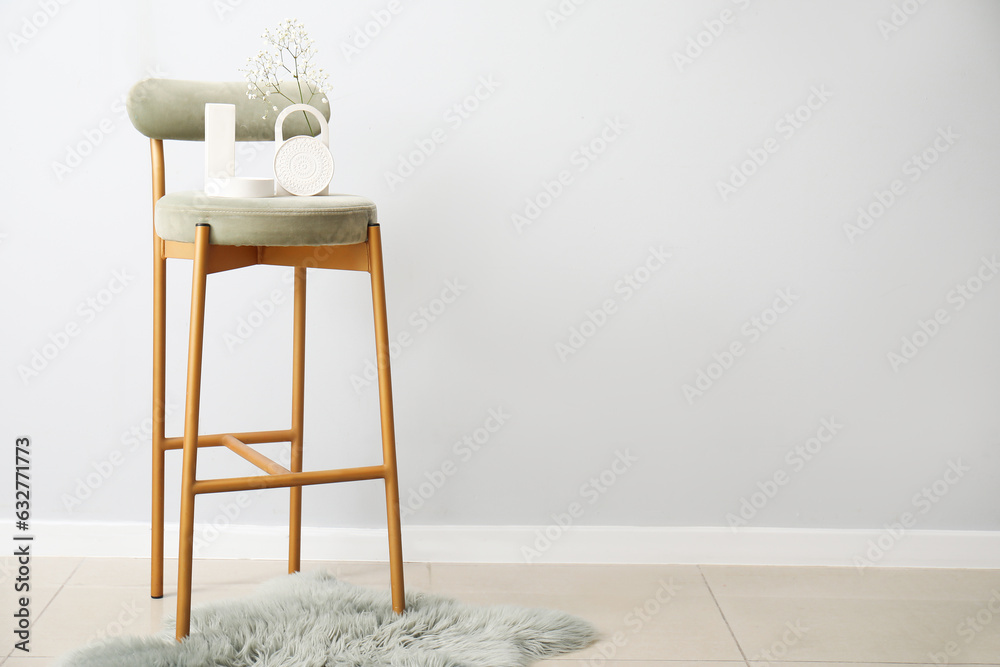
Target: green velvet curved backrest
x: 175, y: 109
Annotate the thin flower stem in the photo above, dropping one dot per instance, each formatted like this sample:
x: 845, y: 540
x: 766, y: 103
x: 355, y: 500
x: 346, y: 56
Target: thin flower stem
x: 298, y: 82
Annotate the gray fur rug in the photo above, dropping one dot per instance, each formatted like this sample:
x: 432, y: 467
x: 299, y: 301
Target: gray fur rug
x: 313, y: 620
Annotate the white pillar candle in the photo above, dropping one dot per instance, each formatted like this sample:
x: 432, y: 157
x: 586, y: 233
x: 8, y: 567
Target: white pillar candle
x: 220, y: 146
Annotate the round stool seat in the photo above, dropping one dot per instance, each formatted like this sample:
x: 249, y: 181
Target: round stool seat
x: 266, y: 221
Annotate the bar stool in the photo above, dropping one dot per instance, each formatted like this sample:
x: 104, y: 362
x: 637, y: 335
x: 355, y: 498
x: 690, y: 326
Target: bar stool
x: 223, y: 234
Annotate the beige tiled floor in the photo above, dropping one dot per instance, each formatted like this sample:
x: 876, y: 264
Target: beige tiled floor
x: 651, y: 616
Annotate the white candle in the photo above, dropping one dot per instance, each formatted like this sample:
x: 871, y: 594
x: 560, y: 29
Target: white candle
x: 220, y: 146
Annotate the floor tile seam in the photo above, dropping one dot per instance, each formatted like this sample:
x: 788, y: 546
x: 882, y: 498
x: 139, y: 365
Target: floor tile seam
x: 722, y: 614
x: 59, y: 590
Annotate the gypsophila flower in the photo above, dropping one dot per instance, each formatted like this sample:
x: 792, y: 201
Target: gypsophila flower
x: 290, y: 52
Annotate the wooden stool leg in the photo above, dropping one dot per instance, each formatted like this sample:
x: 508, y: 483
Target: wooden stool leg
x: 385, y: 410
x: 159, y: 405
x: 191, y: 413
x: 159, y: 377
x: 298, y: 411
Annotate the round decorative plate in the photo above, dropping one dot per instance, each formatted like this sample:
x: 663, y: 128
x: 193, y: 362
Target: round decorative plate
x: 303, y: 166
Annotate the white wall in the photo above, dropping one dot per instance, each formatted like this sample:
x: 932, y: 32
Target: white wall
x: 880, y: 96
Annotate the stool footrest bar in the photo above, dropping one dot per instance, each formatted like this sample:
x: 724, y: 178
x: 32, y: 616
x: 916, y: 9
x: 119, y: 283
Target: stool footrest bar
x: 264, y: 463
x: 289, y: 479
x: 215, y: 439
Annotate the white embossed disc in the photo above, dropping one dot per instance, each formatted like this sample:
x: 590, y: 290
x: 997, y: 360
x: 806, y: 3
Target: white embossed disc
x: 303, y: 166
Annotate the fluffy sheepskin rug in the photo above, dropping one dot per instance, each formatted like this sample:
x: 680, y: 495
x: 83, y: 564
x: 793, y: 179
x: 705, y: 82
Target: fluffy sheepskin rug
x: 313, y: 620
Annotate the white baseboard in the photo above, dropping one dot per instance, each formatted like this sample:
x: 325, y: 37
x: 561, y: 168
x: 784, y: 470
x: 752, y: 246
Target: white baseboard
x: 547, y: 544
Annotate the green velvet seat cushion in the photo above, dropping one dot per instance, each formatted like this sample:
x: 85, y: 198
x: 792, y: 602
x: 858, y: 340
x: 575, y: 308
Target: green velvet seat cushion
x: 175, y: 109
x: 277, y: 221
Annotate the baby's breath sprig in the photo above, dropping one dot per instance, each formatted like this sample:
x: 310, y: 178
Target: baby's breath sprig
x: 289, y: 52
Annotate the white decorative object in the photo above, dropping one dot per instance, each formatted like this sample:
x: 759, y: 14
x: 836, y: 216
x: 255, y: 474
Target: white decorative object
x: 303, y: 165
x: 220, y: 157
x: 248, y: 187
x: 220, y: 143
